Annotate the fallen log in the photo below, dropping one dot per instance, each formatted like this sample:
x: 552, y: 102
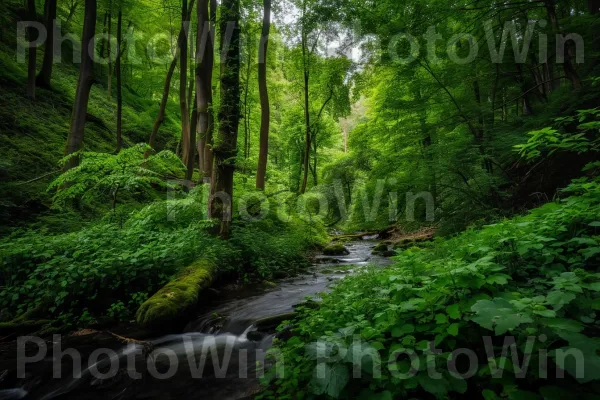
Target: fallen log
x: 177, y: 297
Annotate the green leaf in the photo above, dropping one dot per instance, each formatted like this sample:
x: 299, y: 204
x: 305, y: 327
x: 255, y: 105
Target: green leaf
x: 441, y: 319
x: 401, y: 330
x: 563, y: 324
x: 453, y: 311
x: 332, y: 381
x: 557, y: 299
x: 453, y: 329
x: 377, y: 345
x: 590, y: 252
x: 545, y: 313
x: 458, y: 384
x: 580, y: 358
x: 499, y: 279
x: 498, y: 315
x: 437, y: 387
x: 489, y: 395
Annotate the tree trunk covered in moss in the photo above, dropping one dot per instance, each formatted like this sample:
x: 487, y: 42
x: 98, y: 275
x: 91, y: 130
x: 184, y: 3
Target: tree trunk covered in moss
x: 84, y: 84
x: 45, y: 76
x: 263, y: 151
x: 183, y: 71
x: 225, y: 146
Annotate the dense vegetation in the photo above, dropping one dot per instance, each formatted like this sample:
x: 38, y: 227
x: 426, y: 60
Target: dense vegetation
x: 181, y: 149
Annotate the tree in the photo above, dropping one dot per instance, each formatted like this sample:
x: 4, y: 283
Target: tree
x: 84, y: 84
x: 204, y: 73
x: 225, y: 146
x: 45, y: 75
x: 306, y: 53
x: 183, y: 72
x: 264, y: 97
x: 31, y: 63
x: 119, y: 84
x: 108, y: 45
x: 165, y: 92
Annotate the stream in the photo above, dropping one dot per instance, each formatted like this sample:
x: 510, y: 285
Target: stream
x: 216, y: 355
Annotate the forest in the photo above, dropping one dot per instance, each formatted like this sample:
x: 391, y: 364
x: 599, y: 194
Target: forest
x: 300, y: 199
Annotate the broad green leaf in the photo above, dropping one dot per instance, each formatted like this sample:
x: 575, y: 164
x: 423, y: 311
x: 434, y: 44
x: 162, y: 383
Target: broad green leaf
x: 498, y: 315
x: 563, y: 324
x: 329, y: 379
x: 403, y: 329
x: 558, y: 299
x: 453, y: 311
x: 437, y: 387
x: 441, y: 319
x: 453, y: 329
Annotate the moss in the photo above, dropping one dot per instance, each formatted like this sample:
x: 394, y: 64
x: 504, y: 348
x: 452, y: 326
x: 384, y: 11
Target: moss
x: 178, y: 296
x: 380, y: 247
x: 20, y: 327
x: 335, y: 249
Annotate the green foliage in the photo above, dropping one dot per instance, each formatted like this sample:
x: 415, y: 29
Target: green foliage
x: 527, y: 277
x: 100, y: 177
x: 545, y: 142
x: 110, y: 264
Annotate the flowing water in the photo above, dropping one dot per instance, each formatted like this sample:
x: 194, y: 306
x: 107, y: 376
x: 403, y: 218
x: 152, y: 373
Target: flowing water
x: 215, y: 357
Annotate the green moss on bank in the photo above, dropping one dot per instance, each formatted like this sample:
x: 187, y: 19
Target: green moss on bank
x: 178, y: 296
x: 336, y: 249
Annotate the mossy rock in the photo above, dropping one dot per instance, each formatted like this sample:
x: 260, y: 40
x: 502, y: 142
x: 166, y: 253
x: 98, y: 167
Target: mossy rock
x: 336, y: 249
x: 178, y: 296
x: 380, y: 248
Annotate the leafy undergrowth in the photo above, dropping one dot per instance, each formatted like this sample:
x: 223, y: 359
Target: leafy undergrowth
x: 109, y: 268
x: 532, y: 280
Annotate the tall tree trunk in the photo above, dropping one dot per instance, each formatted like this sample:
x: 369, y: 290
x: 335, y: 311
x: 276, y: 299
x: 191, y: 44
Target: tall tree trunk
x: 165, y: 97
x: 204, y: 72
x: 225, y: 148
x: 119, y: 83
x: 527, y: 104
x: 306, y: 113
x: 32, y: 52
x: 265, y: 115
x: 84, y: 84
x: 193, y: 130
x: 568, y: 67
x: 183, y: 71
x: 193, y: 126
x: 103, y: 41
x: 194, y: 116
x: 45, y: 75
x: 110, y: 71
x: 246, y: 107
x: 163, y: 105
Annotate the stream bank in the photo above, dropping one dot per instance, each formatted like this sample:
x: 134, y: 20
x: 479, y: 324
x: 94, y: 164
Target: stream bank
x: 230, y: 333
